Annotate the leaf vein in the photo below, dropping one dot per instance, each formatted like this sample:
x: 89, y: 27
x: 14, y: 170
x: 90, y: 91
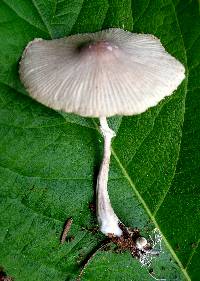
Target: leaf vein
x: 4, y: 1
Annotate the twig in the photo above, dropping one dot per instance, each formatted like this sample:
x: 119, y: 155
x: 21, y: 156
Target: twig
x: 66, y: 229
x: 87, y: 261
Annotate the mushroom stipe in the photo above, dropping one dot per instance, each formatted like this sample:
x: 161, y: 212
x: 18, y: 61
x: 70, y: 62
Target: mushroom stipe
x: 110, y: 72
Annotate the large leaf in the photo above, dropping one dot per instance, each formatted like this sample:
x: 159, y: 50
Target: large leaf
x: 49, y: 160
x: 183, y: 197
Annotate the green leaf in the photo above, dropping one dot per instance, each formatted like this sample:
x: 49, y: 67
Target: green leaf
x: 50, y: 160
x: 183, y: 195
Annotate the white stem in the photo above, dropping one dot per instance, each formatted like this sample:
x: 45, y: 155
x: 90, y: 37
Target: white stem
x: 107, y: 218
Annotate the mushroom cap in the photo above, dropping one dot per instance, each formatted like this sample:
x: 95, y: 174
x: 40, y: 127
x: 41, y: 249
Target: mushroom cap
x: 100, y: 74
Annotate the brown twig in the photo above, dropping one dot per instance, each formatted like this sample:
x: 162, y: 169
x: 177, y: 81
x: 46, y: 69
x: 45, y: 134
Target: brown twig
x: 105, y: 243
x: 66, y: 229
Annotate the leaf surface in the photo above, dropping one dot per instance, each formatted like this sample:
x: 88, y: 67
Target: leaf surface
x: 50, y: 160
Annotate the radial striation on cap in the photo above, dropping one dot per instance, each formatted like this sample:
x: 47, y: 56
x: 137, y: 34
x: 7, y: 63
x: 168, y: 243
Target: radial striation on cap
x: 100, y: 74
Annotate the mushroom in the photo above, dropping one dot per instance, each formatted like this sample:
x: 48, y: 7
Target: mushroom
x: 110, y: 72
x: 141, y: 243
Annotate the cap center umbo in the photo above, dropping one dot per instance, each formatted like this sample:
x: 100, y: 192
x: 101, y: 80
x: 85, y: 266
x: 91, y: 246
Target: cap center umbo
x: 97, y: 47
